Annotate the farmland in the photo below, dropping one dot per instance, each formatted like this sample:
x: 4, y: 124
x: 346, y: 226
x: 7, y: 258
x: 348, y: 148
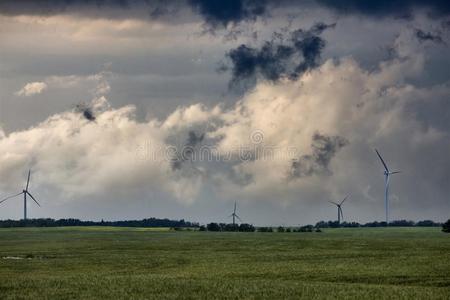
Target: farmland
x: 138, y: 263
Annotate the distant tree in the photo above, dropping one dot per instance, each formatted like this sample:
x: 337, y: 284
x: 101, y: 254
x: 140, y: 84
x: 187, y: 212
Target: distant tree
x: 375, y: 224
x: 428, y: 223
x: 265, y: 229
x: 281, y: 229
x: 401, y: 223
x: 202, y: 228
x: 322, y: 224
x: 334, y: 224
x: 351, y: 224
x: 318, y: 229
x: 446, y: 227
x: 213, y: 227
x: 306, y: 228
x: 288, y: 229
x: 230, y: 227
x: 246, y: 227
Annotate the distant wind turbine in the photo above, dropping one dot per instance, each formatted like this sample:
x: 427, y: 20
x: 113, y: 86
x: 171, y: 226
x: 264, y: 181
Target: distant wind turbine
x: 25, y: 193
x: 234, y: 215
x: 339, y: 207
x: 387, y: 175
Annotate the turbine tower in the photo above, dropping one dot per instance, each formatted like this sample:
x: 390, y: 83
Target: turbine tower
x: 25, y: 193
x: 234, y: 215
x: 339, y: 207
x: 387, y: 175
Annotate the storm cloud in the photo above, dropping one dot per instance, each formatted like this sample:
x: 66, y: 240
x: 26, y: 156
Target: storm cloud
x: 423, y: 36
x: 324, y: 148
x: 319, y: 100
x: 86, y: 111
x: 285, y: 56
x: 221, y: 14
x: 187, y: 150
x: 385, y: 8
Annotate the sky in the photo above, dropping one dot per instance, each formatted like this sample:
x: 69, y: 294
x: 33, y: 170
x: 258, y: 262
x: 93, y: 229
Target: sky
x: 133, y: 109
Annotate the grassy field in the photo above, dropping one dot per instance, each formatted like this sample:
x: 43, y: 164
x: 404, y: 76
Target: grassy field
x: 126, y: 263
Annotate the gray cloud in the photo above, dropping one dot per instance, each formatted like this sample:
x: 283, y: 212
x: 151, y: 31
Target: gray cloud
x: 187, y: 150
x: 423, y: 36
x: 220, y: 14
x: 285, y: 56
x: 86, y: 111
x: 382, y: 8
x: 106, y: 8
x: 324, y: 148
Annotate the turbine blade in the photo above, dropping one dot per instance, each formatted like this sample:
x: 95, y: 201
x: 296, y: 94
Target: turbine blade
x: 344, y: 200
x: 342, y: 214
x: 33, y: 198
x: 234, y: 206
x: 382, y: 161
x: 28, y: 180
x: 395, y: 172
x: 333, y: 203
x: 230, y: 215
x: 238, y: 218
x: 11, y: 197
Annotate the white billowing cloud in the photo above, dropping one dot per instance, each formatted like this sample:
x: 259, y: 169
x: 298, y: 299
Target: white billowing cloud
x: 188, y: 116
x: 79, y: 157
x: 369, y: 109
x: 98, y: 81
x: 32, y: 88
x: 339, y: 99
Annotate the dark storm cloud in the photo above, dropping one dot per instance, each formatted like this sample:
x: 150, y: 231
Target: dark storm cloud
x: 194, y: 139
x: 86, y: 111
x: 215, y: 13
x: 423, y: 36
x: 187, y: 150
x: 51, y: 7
x: 93, y: 9
x: 381, y: 8
x: 285, y: 56
x: 324, y: 148
x: 219, y: 14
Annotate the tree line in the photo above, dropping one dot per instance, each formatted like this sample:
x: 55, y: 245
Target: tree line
x: 47, y: 222
x: 396, y: 223
x: 250, y: 228
x: 321, y: 224
x: 243, y: 227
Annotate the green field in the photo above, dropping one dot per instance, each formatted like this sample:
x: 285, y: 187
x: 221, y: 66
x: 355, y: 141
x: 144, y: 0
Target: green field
x: 126, y: 263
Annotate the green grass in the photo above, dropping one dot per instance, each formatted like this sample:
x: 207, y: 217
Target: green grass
x: 136, y: 263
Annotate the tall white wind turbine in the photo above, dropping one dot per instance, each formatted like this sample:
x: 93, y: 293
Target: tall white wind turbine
x: 234, y: 215
x: 339, y: 207
x: 387, y: 175
x: 25, y: 193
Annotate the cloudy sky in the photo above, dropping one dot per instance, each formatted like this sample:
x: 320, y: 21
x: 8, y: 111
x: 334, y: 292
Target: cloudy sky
x: 130, y: 109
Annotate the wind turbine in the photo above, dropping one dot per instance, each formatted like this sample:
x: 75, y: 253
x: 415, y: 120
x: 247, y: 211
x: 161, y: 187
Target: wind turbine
x: 387, y: 175
x: 339, y: 207
x: 25, y: 193
x: 234, y: 215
